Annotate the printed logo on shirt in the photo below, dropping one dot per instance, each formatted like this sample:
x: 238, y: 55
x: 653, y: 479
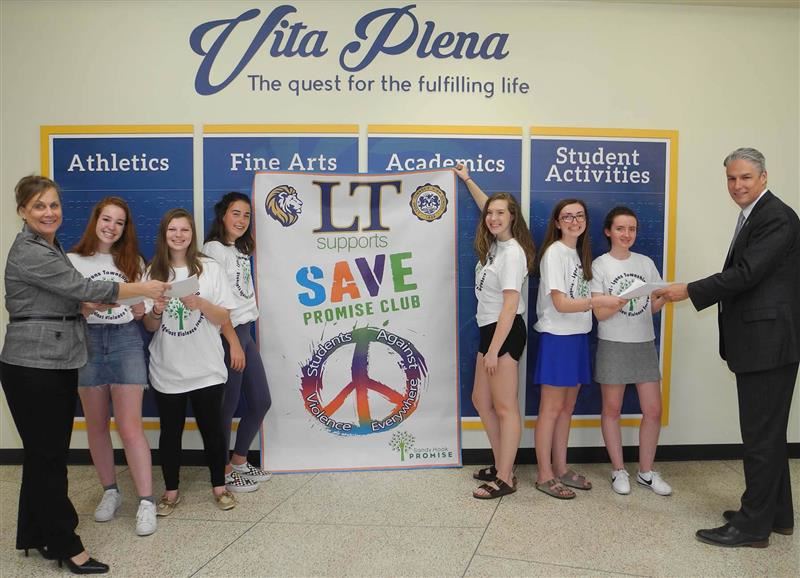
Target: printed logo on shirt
x: 111, y: 313
x: 178, y: 320
x: 428, y: 203
x: 244, y: 277
x: 578, y: 285
x: 635, y: 306
x: 480, y: 269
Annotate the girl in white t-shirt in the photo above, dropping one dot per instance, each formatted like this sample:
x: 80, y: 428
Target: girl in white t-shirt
x: 506, y: 254
x: 116, y: 373
x: 626, y: 351
x: 186, y: 358
x: 563, y: 307
x: 230, y: 241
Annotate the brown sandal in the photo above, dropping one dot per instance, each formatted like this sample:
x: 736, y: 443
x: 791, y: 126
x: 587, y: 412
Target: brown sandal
x: 498, y: 490
x: 556, y: 489
x: 575, y: 480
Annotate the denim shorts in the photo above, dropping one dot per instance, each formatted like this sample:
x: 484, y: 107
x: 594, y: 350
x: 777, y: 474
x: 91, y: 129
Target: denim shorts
x: 116, y: 355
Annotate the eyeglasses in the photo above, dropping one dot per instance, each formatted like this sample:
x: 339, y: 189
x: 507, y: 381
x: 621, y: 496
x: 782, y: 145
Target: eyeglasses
x: 570, y: 218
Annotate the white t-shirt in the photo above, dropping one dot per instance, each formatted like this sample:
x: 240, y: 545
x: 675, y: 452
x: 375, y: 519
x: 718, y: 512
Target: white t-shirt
x: 240, y: 278
x: 506, y: 268
x: 611, y: 276
x: 186, y: 351
x: 100, y: 267
x: 560, y: 269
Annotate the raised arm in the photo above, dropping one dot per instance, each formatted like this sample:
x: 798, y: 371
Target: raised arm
x: 477, y: 193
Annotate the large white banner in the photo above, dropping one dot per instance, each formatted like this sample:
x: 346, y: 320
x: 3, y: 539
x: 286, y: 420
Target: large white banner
x: 356, y: 282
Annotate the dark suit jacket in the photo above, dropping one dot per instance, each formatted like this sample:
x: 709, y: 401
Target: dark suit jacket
x: 758, y: 291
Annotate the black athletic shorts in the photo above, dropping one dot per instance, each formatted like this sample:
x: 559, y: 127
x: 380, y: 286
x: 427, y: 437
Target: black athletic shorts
x: 514, y: 343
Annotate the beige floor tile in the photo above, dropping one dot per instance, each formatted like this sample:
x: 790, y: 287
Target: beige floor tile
x: 489, y: 566
x: 178, y: 548
x: 11, y: 474
x: 344, y: 550
x: 397, y: 498
x: 595, y: 529
x: 196, y: 500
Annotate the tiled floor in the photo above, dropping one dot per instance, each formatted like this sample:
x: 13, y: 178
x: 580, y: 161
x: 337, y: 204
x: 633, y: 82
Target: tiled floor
x: 417, y: 523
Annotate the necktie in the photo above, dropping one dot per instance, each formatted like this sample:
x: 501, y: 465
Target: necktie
x: 739, y: 225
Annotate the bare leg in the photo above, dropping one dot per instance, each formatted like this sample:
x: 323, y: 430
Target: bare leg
x: 551, y: 402
x: 95, y: 401
x: 482, y: 400
x: 609, y: 422
x: 128, y: 415
x: 650, y: 428
x: 561, y: 433
x: 505, y: 397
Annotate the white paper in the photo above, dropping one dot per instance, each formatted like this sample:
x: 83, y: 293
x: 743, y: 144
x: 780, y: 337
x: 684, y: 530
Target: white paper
x: 130, y: 301
x: 188, y: 286
x: 641, y: 289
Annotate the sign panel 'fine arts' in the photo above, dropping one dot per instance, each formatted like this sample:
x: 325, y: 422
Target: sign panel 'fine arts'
x: 357, y: 293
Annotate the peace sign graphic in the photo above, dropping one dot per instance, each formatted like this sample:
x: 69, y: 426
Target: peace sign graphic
x: 357, y: 391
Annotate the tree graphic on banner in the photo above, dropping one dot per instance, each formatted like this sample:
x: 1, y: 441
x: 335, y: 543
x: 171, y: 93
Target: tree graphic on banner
x: 177, y: 310
x: 400, y: 442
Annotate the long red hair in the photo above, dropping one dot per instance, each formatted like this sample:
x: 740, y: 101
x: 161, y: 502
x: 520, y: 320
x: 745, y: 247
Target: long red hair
x: 124, y: 251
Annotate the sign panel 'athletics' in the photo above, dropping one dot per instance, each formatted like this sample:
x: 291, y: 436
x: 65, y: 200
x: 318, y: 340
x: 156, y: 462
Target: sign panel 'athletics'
x: 357, y: 293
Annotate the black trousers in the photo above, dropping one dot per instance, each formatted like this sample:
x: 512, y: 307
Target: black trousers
x: 765, y: 398
x: 42, y: 403
x: 207, y: 408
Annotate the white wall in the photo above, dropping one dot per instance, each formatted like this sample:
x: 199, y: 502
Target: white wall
x: 722, y: 76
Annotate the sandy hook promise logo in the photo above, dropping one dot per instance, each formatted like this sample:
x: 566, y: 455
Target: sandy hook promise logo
x: 403, y: 400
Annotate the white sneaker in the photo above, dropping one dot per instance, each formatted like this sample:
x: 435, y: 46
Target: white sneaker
x: 249, y: 472
x: 146, y: 518
x: 108, y: 506
x: 620, y: 482
x: 236, y: 483
x: 654, y: 481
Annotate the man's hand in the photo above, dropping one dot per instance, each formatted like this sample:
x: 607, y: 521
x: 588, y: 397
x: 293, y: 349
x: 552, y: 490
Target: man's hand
x: 674, y: 292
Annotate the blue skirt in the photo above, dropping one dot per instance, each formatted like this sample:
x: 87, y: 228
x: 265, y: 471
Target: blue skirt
x: 563, y: 360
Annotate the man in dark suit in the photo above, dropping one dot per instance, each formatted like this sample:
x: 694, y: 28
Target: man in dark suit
x: 758, y: 295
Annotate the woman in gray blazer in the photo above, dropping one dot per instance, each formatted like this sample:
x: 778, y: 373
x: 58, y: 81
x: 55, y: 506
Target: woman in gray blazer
x: 44, y: 346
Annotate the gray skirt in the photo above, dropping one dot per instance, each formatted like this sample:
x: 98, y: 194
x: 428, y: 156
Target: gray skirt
x: 617, y: 362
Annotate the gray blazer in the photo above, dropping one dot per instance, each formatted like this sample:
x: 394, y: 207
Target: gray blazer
x: 41, y: 282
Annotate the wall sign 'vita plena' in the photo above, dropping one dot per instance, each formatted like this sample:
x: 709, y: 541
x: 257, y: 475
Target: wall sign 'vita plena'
x: 387, y: 31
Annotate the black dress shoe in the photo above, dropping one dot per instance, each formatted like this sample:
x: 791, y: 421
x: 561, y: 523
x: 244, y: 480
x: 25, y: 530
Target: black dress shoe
x: 729, y: 537
x: 91, y: 566
x: 788, y: 531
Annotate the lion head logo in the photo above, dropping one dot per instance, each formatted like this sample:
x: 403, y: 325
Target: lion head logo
x: 284, y: 205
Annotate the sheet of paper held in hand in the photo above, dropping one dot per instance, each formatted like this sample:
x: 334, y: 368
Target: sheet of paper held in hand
x: 641, y: 289
x: 188, y: 286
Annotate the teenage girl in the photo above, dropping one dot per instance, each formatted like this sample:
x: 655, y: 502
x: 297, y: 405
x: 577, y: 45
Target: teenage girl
x: 230, y: 242
x: 186, y: 358
x: 506, y: 254
x: 116, y: 373
x: 563, y: 307
x: 626, y: 351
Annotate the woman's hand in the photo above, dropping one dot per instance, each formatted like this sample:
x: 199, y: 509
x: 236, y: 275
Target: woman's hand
x: 490, y: 362
x: 137, y: 311
x: 194, y: 302
x: 462, y: 172
x: 610, y: 301
x: 237, y: 357
x: 153, y: 289
x: 158, y: 306
x: 88, y: 307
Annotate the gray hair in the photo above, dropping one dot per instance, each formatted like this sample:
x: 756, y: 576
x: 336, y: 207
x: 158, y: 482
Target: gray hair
x: 747, y: 154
